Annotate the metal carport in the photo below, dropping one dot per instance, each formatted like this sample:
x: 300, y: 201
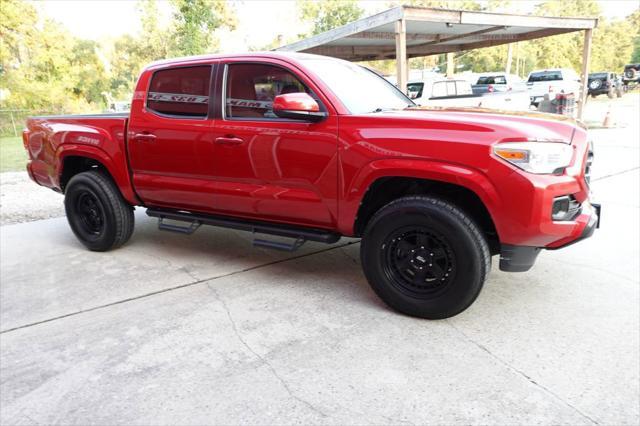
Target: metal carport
x: 407, y: 31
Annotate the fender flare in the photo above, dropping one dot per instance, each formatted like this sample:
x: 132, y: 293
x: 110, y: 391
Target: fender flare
x: 469, y: 178
x: 117, y: 168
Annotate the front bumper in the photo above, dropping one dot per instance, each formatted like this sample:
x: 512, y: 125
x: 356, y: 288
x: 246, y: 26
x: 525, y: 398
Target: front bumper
x: 515, y: 258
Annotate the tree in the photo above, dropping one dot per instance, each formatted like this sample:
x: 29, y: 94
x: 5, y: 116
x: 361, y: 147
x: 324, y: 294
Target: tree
x: 195, y: 21
x: 328, y: 14
x: 634, y: 20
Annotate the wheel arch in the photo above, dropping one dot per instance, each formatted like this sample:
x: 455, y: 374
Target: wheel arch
x: 73, y: 160
x: 468, y: 189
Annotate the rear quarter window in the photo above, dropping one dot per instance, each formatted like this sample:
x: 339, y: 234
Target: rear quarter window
x: 180, y: 92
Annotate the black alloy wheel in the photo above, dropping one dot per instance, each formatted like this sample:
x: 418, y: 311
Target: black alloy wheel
x: 90, y: 212
x: 418, y: 262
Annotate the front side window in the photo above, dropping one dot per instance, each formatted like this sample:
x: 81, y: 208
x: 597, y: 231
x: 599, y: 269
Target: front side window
x: 251, y: 88
x: 180, y: 91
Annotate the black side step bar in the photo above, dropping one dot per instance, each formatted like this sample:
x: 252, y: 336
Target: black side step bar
x: 300, y: 234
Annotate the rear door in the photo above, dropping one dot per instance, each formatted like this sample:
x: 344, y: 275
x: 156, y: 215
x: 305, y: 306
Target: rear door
x: 169, y: 138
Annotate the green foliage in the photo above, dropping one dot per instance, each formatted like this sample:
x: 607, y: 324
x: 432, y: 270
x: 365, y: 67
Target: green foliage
x: 45, y: 69
x: 328, y: 14
x: 634, y: 21
x: 13, y: 157
x: 194, y: 23
x: 43, y: 66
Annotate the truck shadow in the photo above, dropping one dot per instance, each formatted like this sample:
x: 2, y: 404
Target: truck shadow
x: 211, y: 254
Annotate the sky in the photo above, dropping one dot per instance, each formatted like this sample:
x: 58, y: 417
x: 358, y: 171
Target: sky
x: 259, y: 22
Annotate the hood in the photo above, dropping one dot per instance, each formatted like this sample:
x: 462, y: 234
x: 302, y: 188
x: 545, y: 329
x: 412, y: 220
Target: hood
x: 519, y: 125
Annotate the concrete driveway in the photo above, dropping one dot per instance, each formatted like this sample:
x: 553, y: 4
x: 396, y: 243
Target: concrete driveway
x: 172, y: 329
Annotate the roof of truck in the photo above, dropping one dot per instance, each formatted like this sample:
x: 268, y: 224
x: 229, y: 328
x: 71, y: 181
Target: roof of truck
x: 217, y: 56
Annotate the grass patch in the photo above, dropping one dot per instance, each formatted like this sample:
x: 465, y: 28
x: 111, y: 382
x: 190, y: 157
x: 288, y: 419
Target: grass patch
x: 13, y: 157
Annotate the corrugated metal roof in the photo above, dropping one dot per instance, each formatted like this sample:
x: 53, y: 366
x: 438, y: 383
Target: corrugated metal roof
x: 433, y: 31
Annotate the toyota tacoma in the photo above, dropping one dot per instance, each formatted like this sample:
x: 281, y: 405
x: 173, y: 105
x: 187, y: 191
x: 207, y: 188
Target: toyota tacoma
x: 296, y: 147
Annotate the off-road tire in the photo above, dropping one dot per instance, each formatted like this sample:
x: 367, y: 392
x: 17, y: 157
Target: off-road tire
x: 467, y: 254
x: 96, y: 211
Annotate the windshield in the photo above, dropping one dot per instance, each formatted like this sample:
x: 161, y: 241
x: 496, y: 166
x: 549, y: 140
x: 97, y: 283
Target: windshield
x: 360, y: 90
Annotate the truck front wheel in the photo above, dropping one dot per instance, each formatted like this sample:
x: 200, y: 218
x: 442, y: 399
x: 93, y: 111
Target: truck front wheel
x: 425, y: 257
x: 98, y: 215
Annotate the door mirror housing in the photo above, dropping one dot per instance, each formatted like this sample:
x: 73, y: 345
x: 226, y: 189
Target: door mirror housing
x: 298, y: 106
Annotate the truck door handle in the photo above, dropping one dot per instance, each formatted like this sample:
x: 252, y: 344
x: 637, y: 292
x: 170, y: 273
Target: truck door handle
x: 144, y: 137
x: 229, y: 140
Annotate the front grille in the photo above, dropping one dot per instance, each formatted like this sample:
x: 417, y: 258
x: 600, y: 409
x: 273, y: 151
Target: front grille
x: 587, y: 166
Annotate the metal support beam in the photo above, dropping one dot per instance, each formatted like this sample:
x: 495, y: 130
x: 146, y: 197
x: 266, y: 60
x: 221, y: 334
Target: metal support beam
x: 460, y: 36
x: 584, y: 77
x: 401, y: 55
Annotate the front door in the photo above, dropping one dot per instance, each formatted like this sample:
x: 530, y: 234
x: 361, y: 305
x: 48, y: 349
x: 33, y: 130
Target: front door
x: 268, y: 167
x: 170, y: 140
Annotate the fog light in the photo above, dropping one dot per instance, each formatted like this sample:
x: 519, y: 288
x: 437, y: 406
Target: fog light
x: 560, y: 208
x: 565, y: 208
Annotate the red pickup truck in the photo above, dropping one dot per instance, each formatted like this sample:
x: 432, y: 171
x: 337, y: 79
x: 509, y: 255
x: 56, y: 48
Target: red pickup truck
x: 309, y: 148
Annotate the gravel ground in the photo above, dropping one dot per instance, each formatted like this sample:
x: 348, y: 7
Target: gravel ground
x: 21, y: 200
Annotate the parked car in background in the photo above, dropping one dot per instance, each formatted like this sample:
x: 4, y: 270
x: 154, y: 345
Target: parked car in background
x: 498, y: 82
x: 459, y: 93
x: 605, y: 83
x: 442, y: 92
x: 631, y: 74
x: 550, y: 82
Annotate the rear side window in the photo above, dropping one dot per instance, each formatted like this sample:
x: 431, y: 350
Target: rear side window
x: 182, y: 92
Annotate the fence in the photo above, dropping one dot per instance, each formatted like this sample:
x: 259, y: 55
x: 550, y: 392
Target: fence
x: 12, y: 120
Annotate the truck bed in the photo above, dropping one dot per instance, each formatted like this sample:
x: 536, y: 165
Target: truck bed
x: 52, y: 140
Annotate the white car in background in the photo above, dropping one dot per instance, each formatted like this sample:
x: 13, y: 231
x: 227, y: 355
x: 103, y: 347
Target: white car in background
x: 498, y: 82
x: 552, y: 82
x: 442, y: 93
x: 458, y: 93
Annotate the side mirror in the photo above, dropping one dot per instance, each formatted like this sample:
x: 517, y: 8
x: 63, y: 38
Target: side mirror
x: 298, y: 106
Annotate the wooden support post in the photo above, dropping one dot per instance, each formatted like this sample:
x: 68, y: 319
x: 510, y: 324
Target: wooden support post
x: 450, y: 65
x: 584, y: 77
x: 518, y: 59
x: 507, y: 69
x: 402, y: 71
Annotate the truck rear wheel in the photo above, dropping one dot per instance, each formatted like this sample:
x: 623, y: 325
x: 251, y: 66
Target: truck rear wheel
x: 425, y: 257
x: 98, y: 215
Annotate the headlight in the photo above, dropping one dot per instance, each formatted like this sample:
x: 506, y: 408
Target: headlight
x: 536, y: 157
